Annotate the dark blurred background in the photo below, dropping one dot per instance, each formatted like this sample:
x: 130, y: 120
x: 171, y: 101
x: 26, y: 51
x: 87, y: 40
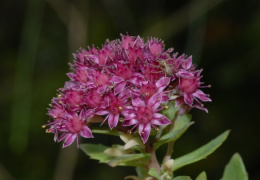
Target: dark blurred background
x: 38, y: 37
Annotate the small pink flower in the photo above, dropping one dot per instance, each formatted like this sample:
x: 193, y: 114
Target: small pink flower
x: 189, y: 84
x: 144, y: 115
x: 70, y: 128
x: 116, y: 106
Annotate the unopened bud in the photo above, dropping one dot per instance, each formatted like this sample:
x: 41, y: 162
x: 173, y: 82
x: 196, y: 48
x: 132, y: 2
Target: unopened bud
x: 169, y: 164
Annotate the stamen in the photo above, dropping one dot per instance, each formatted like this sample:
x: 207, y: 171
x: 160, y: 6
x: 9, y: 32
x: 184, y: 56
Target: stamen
x: 156, y: 128
x: 50, y: 105
x: 43, y: 126
x: 55, y: 117
x: 48, y: 131
x: 120, y: 108
x: 60, y: 102
x: 59, y: 95
x: 166, y: 107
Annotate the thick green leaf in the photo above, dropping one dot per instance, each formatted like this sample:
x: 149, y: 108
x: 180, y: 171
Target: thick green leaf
x: 182, y: 121
x: 96, y: 151
x: 202, y: 176
x: 200, y: 153
x: 154, y: 173
x: 170, y: 111
x: 182, y: 178
x: 108, y: 131
x: 130, y: 160
x: 171, y: 136
x: 235, y: 169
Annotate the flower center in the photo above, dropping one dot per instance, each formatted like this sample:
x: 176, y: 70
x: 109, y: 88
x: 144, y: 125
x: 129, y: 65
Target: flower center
x: 101, y: 78
x: 148, y: 90
x: 124, y: 72
x: 75, y: 125
x: 144, y: 115
x: 188, y: 85
x: 94, y: 99
x: 115, y: 106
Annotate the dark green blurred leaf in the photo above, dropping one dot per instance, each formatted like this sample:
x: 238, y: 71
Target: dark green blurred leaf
x: 202, y: 176
x: 200, y: 153
x: 235, y: 169
x: 172, y: 136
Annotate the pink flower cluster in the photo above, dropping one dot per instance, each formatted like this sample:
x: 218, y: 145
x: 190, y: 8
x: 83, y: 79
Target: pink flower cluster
x: 128, y: 81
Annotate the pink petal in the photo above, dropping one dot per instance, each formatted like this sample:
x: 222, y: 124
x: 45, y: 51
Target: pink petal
x: 129, y: 122
x: 86, y: 133
x: 116, y: 79
x: 113, y: 120
x: 125, y: 94
x: 137, y: 79
x: 187, y: 63
x: 160, y: 119
x: 62, y: 136
x: 188, y: 100
x: 199, y: 94
x: 137, y: 102
x: 69, y: 140
x: 105, y: 103
x: 128, y: 111
x: 162, y: 83
x: 144, y: 131
x: 101, y: 89
x: 119, y: 87
x: 200, y: 107
x: 102, y: 112
x: 184, y: 73
x: 155, y: 101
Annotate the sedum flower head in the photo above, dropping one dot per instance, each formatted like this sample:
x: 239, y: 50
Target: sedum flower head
x: 128, y: 82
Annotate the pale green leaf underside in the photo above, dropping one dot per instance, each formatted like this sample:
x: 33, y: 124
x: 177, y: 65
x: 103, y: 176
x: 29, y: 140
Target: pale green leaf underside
x: 108, y: 131
x: 131, y: 160
x: 182, y: 121
x: 96, y: 151
x: 182, y: 178
x: 235, y: 169
x: 154, y: 173
x: 201, y: 152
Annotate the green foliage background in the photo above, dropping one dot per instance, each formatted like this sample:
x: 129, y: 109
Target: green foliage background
x: 38, y: 37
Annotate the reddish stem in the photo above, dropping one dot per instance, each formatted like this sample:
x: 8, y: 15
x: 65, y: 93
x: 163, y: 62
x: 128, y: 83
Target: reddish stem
x: 153, y: 161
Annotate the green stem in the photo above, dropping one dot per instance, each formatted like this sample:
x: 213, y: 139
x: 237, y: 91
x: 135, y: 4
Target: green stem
x: 170, y: 144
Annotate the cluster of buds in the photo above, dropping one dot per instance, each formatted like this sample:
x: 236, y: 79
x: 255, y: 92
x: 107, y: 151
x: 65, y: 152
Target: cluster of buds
x: 127, y: 82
